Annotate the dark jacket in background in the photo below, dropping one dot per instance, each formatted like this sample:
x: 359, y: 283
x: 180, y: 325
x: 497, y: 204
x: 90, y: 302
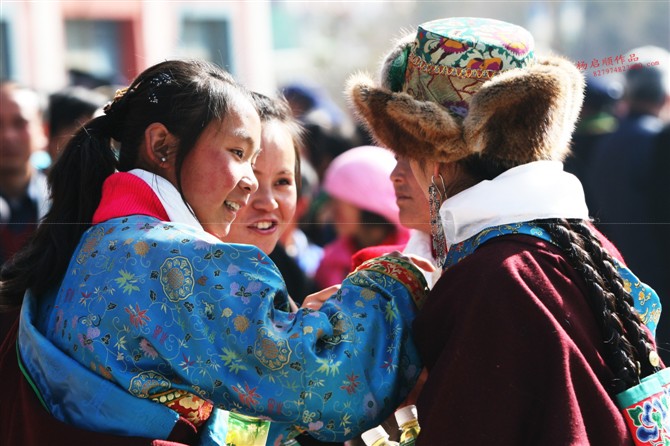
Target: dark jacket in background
x: 627, y: 194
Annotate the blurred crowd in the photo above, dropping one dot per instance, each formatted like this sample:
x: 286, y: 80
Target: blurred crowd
x: 620, y: 153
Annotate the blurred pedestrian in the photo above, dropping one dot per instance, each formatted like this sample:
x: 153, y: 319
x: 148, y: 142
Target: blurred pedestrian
x: 620, y: 180
x: 364, y: 209
x: 294, y: 240
x: 24, y: 195
x: 596, y: 120
x: 326, y: 129
x: 67, y: 110
x: 23, y: 189
x: 660, y: 217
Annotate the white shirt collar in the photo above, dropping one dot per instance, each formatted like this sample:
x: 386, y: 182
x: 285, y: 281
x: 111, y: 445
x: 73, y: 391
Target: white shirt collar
x: 170, y: 198
x: 536, y: 190
x: 420, y: 244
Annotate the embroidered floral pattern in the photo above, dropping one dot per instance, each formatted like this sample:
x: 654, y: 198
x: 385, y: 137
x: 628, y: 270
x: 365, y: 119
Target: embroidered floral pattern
x: 177, y: 278
x: 174, y: 315
x: 451, y: 58
x: 271, y: 352
x: 90, y: 244
x: 647, y: 410
x: 144, y: 384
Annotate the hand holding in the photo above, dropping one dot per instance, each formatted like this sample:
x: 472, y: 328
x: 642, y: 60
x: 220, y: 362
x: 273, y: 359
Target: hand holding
x: 315, y: 300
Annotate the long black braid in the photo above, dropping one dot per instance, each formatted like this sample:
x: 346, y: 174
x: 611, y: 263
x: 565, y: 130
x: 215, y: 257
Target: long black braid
x: 628, y: 348
x: 627, y: 344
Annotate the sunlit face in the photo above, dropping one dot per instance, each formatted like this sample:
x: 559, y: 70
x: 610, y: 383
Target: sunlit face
x: 217, y: 176
x: 21, y: 131
x: 262, y: 221
x: 410, y: 197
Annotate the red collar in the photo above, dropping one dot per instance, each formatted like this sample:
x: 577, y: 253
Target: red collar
x: 125, y: 194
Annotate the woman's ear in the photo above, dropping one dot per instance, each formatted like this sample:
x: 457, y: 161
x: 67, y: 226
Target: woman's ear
x: 157, y: 154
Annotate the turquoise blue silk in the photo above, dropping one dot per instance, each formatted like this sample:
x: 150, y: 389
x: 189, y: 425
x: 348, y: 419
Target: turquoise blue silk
x: 647, y: 302
x: 76, y: 395
x: 161, y: 306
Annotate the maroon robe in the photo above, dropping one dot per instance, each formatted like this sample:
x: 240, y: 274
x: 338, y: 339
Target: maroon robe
x: 514, y: 353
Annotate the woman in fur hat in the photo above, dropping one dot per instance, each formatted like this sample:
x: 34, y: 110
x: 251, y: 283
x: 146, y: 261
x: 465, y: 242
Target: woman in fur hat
x: 531, y: 331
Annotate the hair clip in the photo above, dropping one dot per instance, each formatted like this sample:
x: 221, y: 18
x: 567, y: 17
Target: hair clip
x: 155, y: 82
x: 118, y: 95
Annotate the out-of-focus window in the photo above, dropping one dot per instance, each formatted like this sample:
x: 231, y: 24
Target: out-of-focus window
x: 207, y: 39
x: 5, y: 67
x: 97, y: 48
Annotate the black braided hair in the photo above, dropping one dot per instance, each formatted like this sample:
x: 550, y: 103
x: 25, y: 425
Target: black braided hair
x: 627, y: 344
x: 628, y: 348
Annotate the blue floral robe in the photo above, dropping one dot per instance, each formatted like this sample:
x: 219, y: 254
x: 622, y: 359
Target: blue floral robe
x: 158, y: 307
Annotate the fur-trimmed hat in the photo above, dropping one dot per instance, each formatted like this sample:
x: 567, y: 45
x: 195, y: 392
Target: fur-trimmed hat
x: 470, y: 85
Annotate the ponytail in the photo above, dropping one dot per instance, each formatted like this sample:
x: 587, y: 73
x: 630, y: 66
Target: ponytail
x: 76, y: 187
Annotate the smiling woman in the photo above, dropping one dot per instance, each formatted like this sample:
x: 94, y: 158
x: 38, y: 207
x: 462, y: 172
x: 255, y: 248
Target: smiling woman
x: 216, y: 183
x: 138, y: 323
x: 270, y: 208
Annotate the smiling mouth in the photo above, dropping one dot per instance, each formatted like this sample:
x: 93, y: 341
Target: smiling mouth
x: 264, y: 225
x: 232, y: 206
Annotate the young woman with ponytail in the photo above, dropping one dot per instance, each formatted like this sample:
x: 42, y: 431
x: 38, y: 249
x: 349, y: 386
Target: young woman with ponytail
x: 138, y: 323
x: 536, y: 328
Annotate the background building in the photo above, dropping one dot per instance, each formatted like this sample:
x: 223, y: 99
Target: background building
x: 268, y: 44
x: 49, y: 44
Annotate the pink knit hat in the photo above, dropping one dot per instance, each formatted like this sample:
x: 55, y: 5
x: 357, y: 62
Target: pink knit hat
x: 361, y: 176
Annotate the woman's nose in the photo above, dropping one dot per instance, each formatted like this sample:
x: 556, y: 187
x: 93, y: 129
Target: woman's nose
x: 264, y: 199
x: 248, y: 182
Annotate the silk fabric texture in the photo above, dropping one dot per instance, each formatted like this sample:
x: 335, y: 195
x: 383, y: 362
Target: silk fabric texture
x: 155, y: 305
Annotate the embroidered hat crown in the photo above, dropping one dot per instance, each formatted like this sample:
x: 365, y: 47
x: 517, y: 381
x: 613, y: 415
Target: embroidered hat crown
x: 450, y: 59
x: 462, y: 86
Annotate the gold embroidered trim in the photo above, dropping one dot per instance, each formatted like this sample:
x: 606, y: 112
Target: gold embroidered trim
x: 169, y: 396
x: 441, y: 70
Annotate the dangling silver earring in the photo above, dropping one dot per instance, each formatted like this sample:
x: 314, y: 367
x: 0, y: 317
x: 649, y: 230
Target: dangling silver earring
x: 435, y: 199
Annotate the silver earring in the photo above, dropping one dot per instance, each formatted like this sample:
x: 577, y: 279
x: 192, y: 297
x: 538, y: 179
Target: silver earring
x: 163, y: 159
x: 435, y: 198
